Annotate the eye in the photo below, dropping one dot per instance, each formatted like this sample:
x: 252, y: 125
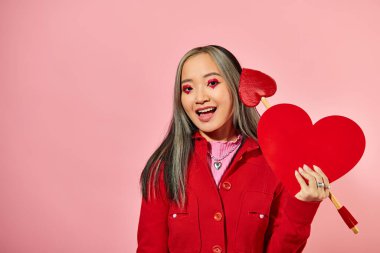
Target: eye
x: 186, y: 88
x: 213, y: 82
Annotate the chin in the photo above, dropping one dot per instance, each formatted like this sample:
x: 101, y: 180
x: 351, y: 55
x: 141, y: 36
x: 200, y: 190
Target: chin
x: 208, y: 129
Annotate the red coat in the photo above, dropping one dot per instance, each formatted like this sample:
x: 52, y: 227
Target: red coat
x: 249, y: 211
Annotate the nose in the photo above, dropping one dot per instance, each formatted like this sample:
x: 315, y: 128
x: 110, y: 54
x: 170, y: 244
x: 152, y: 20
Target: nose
x: 201, y: 97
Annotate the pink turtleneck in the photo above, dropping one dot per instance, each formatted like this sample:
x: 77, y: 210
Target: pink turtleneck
x: 218, y: 149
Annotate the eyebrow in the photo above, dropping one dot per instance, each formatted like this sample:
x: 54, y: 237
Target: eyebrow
x: 209, y: 74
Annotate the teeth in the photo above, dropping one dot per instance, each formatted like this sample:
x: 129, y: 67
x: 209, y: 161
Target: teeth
x: 206, y: 110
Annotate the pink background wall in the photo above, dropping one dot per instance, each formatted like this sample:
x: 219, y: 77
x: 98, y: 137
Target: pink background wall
x: 85, y: 98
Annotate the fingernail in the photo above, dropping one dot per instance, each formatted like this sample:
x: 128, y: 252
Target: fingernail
x: 315, y: 167
x: 300, y: 169
x: 306, y: 167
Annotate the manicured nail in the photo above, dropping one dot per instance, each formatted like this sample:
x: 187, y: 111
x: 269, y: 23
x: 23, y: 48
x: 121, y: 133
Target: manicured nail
x: 315, y: 167
x: 300, y: 169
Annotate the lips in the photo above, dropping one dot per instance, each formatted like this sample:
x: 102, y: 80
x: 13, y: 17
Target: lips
x: 205, y: 110
x: 205, y: 114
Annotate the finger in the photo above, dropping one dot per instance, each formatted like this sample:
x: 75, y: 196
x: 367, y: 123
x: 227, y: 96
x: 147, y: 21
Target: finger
x: 312, y: 190
x: 325, y: 178
x: 320, y: 183
x: 317, y: 177
x: 326, y: 189
x: 300, y: 180
x: 327, y: 193
x: 317, y: 189
x: 311, y: 180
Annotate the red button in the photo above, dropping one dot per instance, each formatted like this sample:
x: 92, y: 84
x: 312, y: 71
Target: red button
x: 218, y: 216
x: 226, y: 185
x: 216, y: 249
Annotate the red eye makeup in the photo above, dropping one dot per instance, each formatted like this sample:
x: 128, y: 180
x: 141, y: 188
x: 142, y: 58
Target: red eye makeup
x: 214, y: 82
x: 185, y: 88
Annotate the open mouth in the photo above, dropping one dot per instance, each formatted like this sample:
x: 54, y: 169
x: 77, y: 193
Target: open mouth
x: 206, y: 111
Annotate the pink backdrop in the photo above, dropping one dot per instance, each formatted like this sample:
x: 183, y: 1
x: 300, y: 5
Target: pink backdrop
x: 85, y: 98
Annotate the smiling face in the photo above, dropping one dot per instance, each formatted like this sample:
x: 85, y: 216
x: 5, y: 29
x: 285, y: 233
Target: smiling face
x: 206, y: 98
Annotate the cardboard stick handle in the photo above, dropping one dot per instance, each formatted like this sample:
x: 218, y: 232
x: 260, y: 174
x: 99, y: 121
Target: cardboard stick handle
x: 265, y: 102
x: 345, y: 214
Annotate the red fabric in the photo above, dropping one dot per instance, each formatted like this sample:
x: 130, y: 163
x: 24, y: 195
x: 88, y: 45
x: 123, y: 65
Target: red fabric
x: 347, y: 217
x: 249, y: 211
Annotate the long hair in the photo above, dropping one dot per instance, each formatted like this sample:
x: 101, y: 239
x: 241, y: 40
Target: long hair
x: 173, y: 153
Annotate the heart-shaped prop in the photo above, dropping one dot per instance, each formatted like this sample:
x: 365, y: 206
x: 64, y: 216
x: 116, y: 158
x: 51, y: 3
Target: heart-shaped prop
x: 289, y: 140
x: 254, y: 85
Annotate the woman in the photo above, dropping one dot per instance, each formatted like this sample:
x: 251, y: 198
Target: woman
x: 207, y: 188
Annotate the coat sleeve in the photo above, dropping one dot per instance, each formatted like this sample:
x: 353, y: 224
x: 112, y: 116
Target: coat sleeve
x: 152, y: 234
x: 290, y: 223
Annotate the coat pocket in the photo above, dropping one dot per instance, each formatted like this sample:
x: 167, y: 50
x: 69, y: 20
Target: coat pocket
x: 253, y: 221
x: 184, y: 232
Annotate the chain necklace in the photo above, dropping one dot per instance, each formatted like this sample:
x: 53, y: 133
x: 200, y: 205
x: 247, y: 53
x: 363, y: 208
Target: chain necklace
x: 217, y: 161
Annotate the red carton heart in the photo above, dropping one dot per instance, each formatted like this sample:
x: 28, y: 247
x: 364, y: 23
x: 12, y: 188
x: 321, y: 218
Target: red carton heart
x: 288, y: 140
x: 253, y: 85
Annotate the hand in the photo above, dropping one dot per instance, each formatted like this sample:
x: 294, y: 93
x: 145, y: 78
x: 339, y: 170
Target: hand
x: 310, y: 191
